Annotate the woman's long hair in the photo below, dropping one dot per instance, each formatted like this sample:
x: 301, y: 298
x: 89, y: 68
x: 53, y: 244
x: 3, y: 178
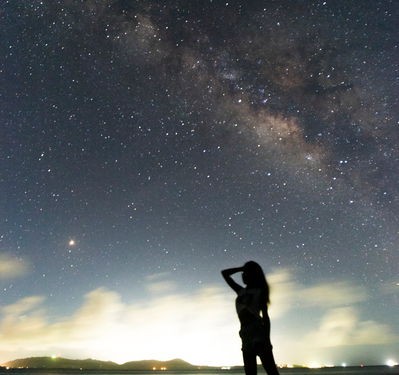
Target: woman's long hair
x: 255, y: 278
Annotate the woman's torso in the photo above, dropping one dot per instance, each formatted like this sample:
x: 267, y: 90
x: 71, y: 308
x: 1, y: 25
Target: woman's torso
x: 249, y: 306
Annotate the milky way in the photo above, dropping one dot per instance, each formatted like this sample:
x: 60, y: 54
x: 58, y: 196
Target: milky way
x: 145, y: 145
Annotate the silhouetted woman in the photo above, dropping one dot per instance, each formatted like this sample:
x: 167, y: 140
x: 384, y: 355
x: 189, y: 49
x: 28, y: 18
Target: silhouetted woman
x: 251, y: 305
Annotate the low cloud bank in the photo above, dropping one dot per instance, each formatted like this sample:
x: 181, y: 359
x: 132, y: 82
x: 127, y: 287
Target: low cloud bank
x: 200, y: 327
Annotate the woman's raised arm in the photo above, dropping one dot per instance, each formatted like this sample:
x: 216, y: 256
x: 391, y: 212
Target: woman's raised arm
x: 229, y: 280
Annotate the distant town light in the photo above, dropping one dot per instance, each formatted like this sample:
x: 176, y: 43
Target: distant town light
x: 391, y: 363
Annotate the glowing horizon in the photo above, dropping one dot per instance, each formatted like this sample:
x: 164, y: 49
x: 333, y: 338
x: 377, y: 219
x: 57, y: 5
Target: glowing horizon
x: 200, y: 328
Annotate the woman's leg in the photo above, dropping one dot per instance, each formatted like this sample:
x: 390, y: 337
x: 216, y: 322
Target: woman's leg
x: 249, y: 362
x: 268, y: 363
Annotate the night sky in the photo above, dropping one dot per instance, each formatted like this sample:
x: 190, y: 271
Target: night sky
x: 146, y: 145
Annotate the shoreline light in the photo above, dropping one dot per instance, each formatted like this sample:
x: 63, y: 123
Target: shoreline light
x: 391, y: 363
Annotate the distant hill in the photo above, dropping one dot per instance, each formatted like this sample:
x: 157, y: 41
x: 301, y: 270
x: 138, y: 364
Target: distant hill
x: 61, y: 363
x: 174, y: 364
x: 91, y: 364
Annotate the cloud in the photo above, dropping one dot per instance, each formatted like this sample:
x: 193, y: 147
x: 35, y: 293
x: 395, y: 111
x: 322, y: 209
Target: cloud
x: 200, y: 327
x: 333, y: 321
x: 12, y: 267
x: 159, y: 284
x: 164, y: 326
x: 287, y: 294
x: 343, y: 327
x: 332, y: 294
x: 23, y: 305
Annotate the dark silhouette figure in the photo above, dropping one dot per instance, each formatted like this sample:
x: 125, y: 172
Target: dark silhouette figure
x: 251, y: 305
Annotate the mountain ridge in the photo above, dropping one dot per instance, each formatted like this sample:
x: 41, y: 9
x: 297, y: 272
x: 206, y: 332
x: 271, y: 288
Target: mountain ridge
x: 93, y: 364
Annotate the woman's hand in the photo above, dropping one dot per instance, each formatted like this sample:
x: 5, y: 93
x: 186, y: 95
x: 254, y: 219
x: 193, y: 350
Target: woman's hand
x: 229, y: 280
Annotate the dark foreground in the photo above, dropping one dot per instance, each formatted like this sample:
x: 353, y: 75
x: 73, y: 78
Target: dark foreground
x: 368, y: 370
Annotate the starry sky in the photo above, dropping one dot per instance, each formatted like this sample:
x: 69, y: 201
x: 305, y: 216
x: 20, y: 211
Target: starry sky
x: 146, y: 145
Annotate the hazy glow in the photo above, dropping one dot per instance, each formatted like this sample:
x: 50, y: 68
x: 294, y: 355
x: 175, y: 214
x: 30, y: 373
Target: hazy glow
x: 391, y: 363
x: 200, y: 327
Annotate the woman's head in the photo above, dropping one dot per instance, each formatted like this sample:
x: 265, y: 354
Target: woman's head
x: 254, y: 277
